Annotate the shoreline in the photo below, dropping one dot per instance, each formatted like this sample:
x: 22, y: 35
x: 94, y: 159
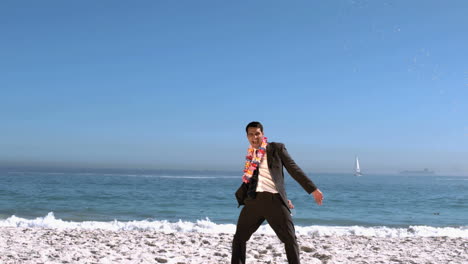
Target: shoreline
x: 46, y: 245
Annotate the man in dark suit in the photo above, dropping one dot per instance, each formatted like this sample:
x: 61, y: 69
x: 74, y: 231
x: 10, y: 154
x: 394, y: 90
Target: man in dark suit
x: 263, y: 194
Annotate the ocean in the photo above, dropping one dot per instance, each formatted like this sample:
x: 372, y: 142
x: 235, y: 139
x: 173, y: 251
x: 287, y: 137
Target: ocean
x: 370, y: 205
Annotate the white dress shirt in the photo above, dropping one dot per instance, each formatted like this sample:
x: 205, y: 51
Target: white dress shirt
x: 265, y: 182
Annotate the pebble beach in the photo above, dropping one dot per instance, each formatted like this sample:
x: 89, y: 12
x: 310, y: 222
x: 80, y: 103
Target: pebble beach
x: 46, y: 245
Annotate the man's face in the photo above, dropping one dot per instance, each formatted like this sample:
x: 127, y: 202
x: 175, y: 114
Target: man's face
x: 255, y: 136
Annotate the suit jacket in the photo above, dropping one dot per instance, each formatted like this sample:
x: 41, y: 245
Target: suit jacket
x: 278, y: 157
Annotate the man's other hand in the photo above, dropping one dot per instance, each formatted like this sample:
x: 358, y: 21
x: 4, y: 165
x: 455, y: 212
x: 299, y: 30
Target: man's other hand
x: 318, y: 196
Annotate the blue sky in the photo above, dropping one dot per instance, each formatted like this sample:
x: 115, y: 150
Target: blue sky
x: 172, y: 84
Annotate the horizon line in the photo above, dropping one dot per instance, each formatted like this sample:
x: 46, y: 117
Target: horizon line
x: 145, y: 171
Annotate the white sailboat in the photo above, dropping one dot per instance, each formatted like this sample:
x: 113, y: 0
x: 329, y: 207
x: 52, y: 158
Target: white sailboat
x: 357, y: 169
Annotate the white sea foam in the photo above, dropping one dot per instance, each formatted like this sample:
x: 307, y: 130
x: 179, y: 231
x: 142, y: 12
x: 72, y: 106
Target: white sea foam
x: 206, y: 226
x: 382, y: 231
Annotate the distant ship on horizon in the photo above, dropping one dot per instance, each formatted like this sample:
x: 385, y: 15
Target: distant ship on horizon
x: 425, y: 171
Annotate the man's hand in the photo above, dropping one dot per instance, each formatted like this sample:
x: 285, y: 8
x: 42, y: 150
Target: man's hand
x: 318, y: 196
x: 290, y: 204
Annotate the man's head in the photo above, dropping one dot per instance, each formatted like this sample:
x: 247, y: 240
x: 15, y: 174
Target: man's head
x: 254, y: 133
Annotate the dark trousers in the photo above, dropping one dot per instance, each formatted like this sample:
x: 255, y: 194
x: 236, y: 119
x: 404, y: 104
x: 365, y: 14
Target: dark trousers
x: 270, y: 207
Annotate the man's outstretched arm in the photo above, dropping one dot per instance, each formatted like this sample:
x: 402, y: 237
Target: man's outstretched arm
x: 298, y: 174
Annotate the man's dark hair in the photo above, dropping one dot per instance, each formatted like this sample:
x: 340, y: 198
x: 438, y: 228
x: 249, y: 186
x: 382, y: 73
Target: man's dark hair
x: 254, y: 124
